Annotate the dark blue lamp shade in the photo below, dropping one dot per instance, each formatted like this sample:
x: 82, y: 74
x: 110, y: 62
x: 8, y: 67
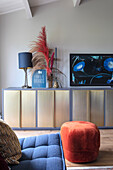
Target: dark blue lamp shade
x: 25, y: 60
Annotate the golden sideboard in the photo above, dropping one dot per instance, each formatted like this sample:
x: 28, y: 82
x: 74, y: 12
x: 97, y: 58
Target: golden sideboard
x: 50, y: 108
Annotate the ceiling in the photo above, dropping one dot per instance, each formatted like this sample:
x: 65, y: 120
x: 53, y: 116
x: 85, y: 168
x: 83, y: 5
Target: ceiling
x: 7, y: 6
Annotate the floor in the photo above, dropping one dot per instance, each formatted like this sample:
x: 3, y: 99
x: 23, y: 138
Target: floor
x: 104, y: 160
x: 26, y: 133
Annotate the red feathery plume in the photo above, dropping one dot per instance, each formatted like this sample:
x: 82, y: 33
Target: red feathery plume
x: 42, y: 47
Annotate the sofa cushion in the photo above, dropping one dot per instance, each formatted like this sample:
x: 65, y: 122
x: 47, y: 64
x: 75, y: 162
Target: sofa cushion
x: 42, y: 152
x: 10, y: 148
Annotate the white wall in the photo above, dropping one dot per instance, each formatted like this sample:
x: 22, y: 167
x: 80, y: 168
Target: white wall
x: 87, y: 28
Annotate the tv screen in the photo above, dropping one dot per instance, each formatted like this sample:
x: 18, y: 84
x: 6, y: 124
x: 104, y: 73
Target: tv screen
x: 91, y: 69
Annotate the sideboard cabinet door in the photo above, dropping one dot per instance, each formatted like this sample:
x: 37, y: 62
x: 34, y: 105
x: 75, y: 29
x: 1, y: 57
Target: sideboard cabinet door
x: 109, y: 108
x: 97, y: 107
x: 12, y: 107
x: 28, y: 108
x: 45, y: 105
x: 61, y: 107
x: 81, y: 106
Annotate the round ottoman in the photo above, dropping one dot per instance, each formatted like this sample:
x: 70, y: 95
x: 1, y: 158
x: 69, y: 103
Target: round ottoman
x: 80, y: 140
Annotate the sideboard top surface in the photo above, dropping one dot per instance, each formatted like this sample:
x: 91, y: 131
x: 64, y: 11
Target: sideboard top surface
x: 65, y: 88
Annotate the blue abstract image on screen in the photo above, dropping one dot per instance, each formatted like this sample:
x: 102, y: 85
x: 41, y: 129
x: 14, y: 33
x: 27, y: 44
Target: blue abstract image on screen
x: 91, y: 69
x: 79, y: 66
x: 108, y: 64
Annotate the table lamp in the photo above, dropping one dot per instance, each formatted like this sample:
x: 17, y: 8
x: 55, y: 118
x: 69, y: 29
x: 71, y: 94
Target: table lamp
x: 25, y: 62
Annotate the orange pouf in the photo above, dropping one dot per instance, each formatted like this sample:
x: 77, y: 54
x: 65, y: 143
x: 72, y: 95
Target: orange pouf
x: 81, y: 141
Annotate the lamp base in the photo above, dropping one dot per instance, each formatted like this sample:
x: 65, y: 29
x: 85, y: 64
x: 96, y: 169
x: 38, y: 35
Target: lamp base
x: 26, y: 81
x: 26, y: 86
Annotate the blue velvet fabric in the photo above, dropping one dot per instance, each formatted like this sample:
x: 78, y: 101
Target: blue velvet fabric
x: 42, y: 152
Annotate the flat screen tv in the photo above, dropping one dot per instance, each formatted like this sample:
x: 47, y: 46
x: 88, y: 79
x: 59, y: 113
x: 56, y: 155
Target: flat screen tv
x: 91, y: 69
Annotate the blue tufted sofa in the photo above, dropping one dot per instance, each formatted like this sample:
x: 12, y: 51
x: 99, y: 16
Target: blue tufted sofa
x: 42, y: 152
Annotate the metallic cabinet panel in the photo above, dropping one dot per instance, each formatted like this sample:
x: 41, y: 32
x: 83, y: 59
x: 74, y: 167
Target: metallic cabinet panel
x: 28, y: 108
x: 12, y: 107
x: 97, y: 107
x: 61, y: 107
x: 45, y: 108
x: 109, y: 108
x: 81, y: 105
